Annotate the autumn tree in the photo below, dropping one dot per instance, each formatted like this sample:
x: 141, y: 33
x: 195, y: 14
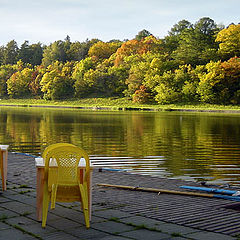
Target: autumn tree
x: 220, y: 82
x: 135, y: 47
x: 18, y: 83
x: 136, y: 77
x: 34, y: 85
x: 102, y: 50
x: 229, y: 39
x: 231, y: 84
x: 141, y: 95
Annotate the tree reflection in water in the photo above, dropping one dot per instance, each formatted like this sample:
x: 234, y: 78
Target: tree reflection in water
x: 197, y: 146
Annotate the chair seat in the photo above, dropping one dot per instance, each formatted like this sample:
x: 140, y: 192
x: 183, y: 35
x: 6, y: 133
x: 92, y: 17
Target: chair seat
x: 68, y: 193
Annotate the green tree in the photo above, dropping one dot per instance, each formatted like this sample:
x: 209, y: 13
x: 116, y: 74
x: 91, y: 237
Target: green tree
x: 189, y: 88
x: 166, y: 94
x: 142, y: 34
x: 54, y: 52
x: 119, y: 75
x: 57, y: 83
x: 6, y: 72
x: 179, y: 85
x: 158, y: 64
x: 24, y: 52
x: 36, y: 54
x: 197, y: 45
x: 10, y: 53
x: 79, y: 50
x: 210, y: 82
x: 171, y: 41
x: 81, y: 86
x: 178, y: 28
x: 102, y: 79
x: 31, y: 53
x: 1, y: 54
x: 67, y: 45
x: 100, y: 82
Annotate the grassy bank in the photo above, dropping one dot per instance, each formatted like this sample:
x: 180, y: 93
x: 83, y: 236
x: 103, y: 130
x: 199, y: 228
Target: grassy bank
x: 116, y: 104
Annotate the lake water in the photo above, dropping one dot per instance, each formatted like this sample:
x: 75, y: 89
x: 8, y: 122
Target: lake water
x: 194, y: 146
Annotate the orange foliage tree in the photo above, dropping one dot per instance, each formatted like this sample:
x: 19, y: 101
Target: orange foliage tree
x: 133, y: 47
x: 232, y: 78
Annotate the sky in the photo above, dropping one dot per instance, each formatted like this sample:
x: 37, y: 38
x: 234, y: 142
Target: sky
x: 46, y: 21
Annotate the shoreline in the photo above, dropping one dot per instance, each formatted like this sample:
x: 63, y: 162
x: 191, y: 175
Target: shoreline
x: 116, y: 108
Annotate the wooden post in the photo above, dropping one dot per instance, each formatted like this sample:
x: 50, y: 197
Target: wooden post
x: 4, y: 165
x: 39, y: 190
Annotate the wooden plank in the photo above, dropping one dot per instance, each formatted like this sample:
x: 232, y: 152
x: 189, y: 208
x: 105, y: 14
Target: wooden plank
x: 172, y: 192
x: 157, y: 190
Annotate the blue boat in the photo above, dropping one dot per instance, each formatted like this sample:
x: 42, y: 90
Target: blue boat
x: 214, y: 190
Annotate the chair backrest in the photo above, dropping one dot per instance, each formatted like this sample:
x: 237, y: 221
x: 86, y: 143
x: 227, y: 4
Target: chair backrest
x: 67, y: 157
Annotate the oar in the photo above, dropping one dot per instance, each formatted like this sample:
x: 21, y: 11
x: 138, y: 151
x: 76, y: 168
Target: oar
x: 171, y: 192
x: 212, y: 190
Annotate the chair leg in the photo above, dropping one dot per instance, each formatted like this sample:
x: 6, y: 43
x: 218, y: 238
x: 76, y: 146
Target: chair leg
x: 53, y: 195
x: 46, y: 199
x: 1, y: 165
x: 84, y: 200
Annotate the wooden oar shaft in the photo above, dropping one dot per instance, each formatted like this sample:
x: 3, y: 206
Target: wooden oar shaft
x: 157, y: 190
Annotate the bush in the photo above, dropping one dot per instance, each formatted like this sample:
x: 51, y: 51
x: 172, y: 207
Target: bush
x: 166, y: 95
x: 141, y: 96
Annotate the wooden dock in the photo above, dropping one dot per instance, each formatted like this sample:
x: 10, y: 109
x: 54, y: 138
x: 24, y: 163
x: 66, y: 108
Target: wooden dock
x: 209, y: 214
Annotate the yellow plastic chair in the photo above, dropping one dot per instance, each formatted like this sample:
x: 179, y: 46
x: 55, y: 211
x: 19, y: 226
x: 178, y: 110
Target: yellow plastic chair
x: 62, y: 180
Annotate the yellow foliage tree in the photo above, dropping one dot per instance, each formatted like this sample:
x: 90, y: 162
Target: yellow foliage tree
x: 102, y: 50
x: 229, y: 39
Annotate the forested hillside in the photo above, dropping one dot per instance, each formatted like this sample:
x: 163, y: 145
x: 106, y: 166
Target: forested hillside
x: 197, y: 62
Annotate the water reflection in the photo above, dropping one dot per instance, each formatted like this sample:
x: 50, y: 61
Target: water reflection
x: 195, y: 146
